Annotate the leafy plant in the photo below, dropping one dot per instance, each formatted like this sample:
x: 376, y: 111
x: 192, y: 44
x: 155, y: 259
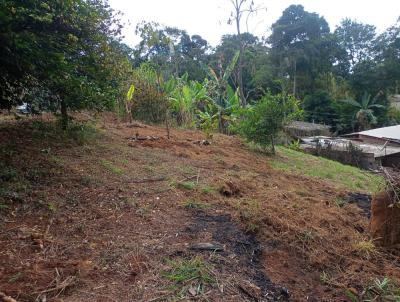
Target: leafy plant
x: 129, y: 101
x: 194, y: 269
x: 364, y: 116
x: 263, y: 121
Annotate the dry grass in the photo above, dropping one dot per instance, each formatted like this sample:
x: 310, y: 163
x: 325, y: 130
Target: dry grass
x: 68, y: 209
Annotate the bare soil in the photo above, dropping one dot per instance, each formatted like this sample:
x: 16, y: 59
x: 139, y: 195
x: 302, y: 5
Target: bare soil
x: 102, y: 219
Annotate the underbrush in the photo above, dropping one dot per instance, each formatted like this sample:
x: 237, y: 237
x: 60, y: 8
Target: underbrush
x: 345, y: 176
x: 28, y: 156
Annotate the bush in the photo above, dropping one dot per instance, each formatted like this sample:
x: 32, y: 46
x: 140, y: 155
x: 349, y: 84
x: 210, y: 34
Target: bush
x: 149, y: 102
x: 263, y: 121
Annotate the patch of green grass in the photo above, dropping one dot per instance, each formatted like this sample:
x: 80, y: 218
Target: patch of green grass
x: 3, y: 206
x: 8, y: 174
x: 188, y: 185
x: 57, y: 160
x: 382, y: 290
x: 15, y: 277
x: 194, y: 269
x: 111, y: 167
x: 52, y: 207
x: 194, y: 204
x: 343, y: 175
x: 339, y: 202
x: 208, y: 190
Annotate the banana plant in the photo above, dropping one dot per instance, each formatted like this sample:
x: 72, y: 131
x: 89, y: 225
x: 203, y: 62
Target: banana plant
x: 227, y: 100
x: 364, y: 115
x: 129, y: 102
x: 185, y: 96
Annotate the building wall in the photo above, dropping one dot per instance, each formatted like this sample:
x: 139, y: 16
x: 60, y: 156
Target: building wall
x: 392, y: 160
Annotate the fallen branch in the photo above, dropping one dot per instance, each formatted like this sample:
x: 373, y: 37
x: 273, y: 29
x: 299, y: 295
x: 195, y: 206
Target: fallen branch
x: 393, y: 183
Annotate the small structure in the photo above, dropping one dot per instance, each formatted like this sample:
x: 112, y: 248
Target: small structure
x: 299, y: 129
x: 369, y: 156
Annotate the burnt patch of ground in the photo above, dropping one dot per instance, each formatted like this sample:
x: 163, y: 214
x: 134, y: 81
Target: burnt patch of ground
x: 244, y: 248
x: 363, y: 201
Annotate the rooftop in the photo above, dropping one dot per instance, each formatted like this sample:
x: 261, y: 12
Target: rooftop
x: 392, y: 132
x: 341, y: 144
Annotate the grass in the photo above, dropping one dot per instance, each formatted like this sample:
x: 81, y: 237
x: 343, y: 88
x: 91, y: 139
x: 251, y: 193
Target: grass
x: 110, y: 167
x: 194, y: 204
x: 251, y: 214
x: 208, y: 190
x: 188, y: 185
x: 380, y: 290
x: 365, y: 247
x: 345, y: 176
x: 183, y: 271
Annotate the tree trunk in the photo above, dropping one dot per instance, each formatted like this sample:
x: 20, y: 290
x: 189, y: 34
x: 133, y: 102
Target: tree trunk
x: 240, y: 65
x: 64, y: 115
x: 273, y: 144
x: 167, y: 124
x: 294, y: 78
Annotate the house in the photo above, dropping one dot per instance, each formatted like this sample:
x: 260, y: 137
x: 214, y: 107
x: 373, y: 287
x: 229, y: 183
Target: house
x: 298, y: 129
x: 386, y: 135
x: 369, y: 149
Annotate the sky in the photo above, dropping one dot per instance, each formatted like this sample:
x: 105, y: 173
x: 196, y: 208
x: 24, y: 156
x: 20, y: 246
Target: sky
x: 208, y: 18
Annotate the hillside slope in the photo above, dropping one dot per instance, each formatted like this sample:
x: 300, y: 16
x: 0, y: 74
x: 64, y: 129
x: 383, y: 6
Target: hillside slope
x: 95, y: 215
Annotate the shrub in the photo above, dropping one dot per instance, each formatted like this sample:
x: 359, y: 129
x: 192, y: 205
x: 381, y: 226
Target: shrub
x: 263, y: 121
x: 149, y: 102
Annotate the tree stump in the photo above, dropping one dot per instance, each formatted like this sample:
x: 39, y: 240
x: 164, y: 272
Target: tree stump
x: 385, y: 219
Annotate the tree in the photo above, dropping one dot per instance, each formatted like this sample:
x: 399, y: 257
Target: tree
x: 301, y: 48
x: 255, y: 63
x: 242, y: 8
x: 318, y: 107
x: 172, y: 50
x: 62, y: 48
x: 264, y: 121
x: 387, y: 48
x: 356, y: 39
x: 364, y: 115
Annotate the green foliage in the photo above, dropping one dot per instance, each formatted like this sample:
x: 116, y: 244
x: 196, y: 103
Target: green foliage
x: 150, y: 103
x: 364, y: 117
x: 194, y: 269
x: 319, y: 108
x: 188, y: 185
x: 111, y: 167
x: 194, y: 204
x: 61, y: 54
x: 263, y: 122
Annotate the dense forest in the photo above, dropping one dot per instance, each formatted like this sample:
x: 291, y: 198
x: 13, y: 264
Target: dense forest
x: 62, y: 56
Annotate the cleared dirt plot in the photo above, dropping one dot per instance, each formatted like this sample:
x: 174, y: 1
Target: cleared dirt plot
x: 94, y: 214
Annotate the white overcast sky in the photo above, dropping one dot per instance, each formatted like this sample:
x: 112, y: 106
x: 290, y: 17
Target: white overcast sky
x: 208, y: 17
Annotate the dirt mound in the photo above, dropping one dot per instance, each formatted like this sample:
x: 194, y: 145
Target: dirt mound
x: 385, y: 220
x: 230, y: 189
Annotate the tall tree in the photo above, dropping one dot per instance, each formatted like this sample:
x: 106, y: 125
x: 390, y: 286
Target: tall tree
x: 301, y: 47
x: 172, y: 50
x: 242, y: 9
x: 63, y: 47
x: 357, y: 39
